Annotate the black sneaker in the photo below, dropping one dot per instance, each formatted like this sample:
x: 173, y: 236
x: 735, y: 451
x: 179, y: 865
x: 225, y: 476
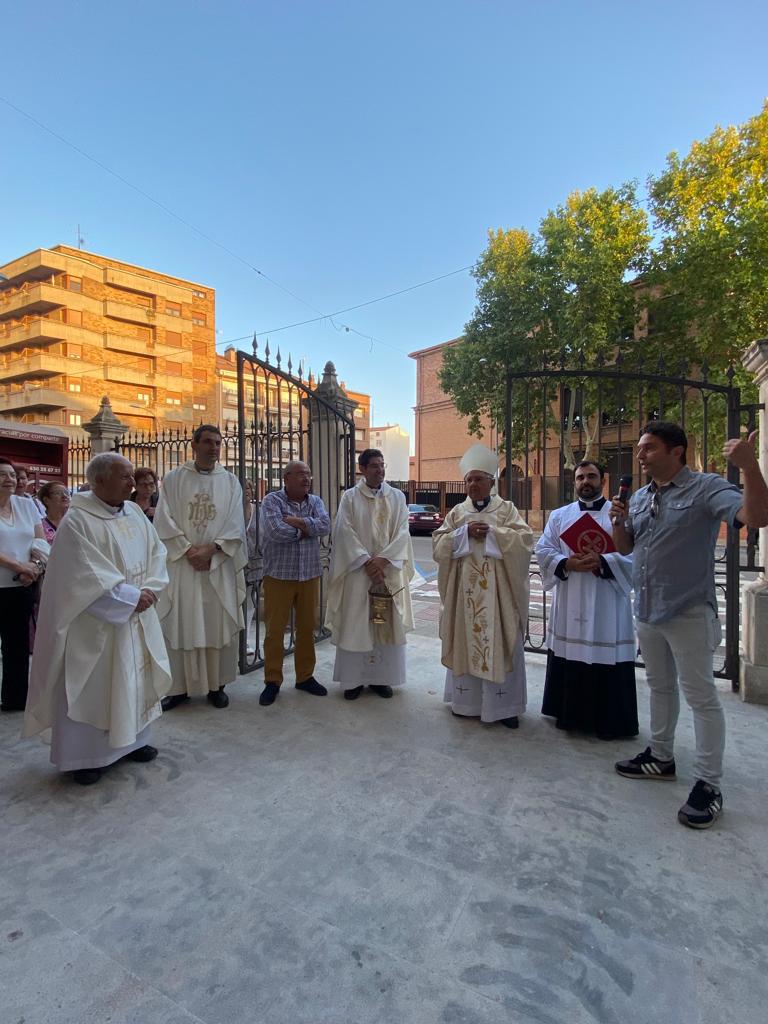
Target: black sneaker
x: 703, y: 806
x: 353, y: 694
x: 646, y: 766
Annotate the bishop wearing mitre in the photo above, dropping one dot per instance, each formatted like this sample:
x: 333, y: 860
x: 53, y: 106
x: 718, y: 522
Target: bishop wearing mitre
x: 483, y: 550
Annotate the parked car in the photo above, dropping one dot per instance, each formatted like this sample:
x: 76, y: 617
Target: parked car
x: 423, y: 518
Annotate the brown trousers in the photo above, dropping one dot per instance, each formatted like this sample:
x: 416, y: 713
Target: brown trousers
x: 280, y: 596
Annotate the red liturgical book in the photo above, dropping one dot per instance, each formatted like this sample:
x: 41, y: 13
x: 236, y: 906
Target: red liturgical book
x: 586, y: 536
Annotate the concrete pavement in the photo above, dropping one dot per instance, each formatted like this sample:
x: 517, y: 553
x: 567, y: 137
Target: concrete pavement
x: 380, y: 862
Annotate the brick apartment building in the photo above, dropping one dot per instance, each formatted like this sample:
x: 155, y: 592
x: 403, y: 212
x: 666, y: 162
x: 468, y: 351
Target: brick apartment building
x: 442, y: 436
x: 75, y: 326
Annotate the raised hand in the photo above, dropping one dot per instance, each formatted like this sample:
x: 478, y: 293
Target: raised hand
x: 740, y: 451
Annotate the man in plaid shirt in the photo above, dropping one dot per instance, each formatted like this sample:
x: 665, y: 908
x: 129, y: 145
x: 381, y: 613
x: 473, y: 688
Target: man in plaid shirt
x: 291, y: 523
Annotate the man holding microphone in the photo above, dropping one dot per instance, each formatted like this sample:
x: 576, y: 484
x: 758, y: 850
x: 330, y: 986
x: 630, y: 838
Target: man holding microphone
x: 671, y: 528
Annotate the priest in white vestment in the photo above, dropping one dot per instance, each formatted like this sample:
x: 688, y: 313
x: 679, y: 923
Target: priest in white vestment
x: 371, y: 549
x: 483, y: 552
x: 590, y: 682
x: 199, y: 518
x: 100, y: 667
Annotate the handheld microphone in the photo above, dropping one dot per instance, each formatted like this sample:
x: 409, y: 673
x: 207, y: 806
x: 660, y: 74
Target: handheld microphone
x: 625, y: 485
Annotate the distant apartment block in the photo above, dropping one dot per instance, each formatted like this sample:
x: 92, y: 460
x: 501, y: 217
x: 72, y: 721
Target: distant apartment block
x: 393, y: 442
x: 75, y: 326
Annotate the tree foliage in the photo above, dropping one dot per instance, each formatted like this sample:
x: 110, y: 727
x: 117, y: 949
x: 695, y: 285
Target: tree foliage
x: 563, y: 291
x: 592, y: 275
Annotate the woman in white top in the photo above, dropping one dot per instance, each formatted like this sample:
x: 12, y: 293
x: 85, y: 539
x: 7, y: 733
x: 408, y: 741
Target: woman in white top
x: 23, y: 552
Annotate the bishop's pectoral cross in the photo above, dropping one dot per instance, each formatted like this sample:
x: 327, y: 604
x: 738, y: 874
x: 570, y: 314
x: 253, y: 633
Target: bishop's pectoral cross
x: 500, y: 693
x: 462, y: 689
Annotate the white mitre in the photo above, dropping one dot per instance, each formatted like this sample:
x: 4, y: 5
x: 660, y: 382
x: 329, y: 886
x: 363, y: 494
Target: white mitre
x: 480, y: 458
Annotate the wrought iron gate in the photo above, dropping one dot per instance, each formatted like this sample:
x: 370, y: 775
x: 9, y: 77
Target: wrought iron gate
x: 558, y: 414
x: 282, y: 417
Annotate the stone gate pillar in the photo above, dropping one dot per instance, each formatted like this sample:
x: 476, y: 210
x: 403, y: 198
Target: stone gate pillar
x: 105, y: 429
x: 328, y: 439
x: 753, y: 670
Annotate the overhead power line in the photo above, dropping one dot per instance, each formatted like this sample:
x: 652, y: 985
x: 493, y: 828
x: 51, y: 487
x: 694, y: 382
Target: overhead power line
x: 230, y: 252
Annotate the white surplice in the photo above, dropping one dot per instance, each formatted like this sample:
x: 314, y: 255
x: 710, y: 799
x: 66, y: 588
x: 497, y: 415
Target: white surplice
x: 484, y: 590
x: 202, y: 611
x: 369, y: 522
x: 100, y: 667
x: 591, y: 618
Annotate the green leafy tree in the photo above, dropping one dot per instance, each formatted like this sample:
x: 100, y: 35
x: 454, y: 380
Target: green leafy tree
x: 564, y: 293
x: 708, y: 278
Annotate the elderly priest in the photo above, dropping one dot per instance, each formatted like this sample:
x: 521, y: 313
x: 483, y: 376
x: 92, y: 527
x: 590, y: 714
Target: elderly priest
x: 100, y: 666
x: 590, y: 684
x: 483, y: 550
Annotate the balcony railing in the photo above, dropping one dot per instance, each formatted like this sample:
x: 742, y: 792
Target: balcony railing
x: 34, y: 396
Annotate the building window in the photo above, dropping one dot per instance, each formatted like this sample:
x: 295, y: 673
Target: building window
x: 173, y: 368
x: 144, y: 334
x: 200, y: 376
x: 200, y: 406
x: 173, y: 398
x: 143, y: 396
x: 74, y: 419
x: 173, y: 338
x: 199, y: 295
x: 172, y: 308
x: 74, y: 284
x: 74, y: 385
x: 358, y: 413
x: 143, y: 300
x: 199, y: 319
x: 73, y: 351
x: 73, y: 317
x: 360, y: 435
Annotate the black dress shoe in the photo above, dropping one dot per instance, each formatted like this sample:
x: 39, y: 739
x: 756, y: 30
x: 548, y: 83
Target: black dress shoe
x: 171, y: 702
x: 312, y: 686
x: 511, y: 723
x: 142, y: 754
x: 269, y: 694
x: 218, y: 698
x: 353, y: 694
x: 86, y: 776
x: 383, y: 691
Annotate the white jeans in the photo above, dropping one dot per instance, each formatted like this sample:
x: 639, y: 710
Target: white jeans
x: 681, y: 650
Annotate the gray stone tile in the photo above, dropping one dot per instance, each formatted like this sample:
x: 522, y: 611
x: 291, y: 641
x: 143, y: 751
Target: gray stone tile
x: 50, y: 975
x: 230, y: 953
x: 554, y: 964
x: 378, y: 896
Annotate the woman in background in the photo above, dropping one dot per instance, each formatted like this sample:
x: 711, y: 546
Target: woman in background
x: 147, y: 493
x: 23, y: 553
x: 55, y: 499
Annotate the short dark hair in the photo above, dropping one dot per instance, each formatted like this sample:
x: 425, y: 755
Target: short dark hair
x: 199, y: 431
x: 369, y: 453
x: 21, y: 469
x: 590, y: 462
x: 670, y: 433
x: 7, y: 462
x: 142, y: 471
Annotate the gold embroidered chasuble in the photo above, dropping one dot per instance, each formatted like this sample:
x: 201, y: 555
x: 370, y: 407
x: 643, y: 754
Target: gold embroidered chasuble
x: 484, y: 599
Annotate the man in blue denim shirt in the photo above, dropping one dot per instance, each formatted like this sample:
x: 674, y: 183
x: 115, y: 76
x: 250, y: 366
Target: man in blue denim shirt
x: 671, y: 527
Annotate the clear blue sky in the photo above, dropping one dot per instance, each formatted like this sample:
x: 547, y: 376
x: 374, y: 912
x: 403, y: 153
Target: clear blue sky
x: 348, y: 149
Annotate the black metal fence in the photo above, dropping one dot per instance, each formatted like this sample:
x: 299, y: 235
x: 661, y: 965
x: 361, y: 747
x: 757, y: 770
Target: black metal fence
x: 560, y: 413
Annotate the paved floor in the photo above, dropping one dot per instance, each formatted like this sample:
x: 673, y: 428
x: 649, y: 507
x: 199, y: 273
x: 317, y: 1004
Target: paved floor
x: 328, y: 862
